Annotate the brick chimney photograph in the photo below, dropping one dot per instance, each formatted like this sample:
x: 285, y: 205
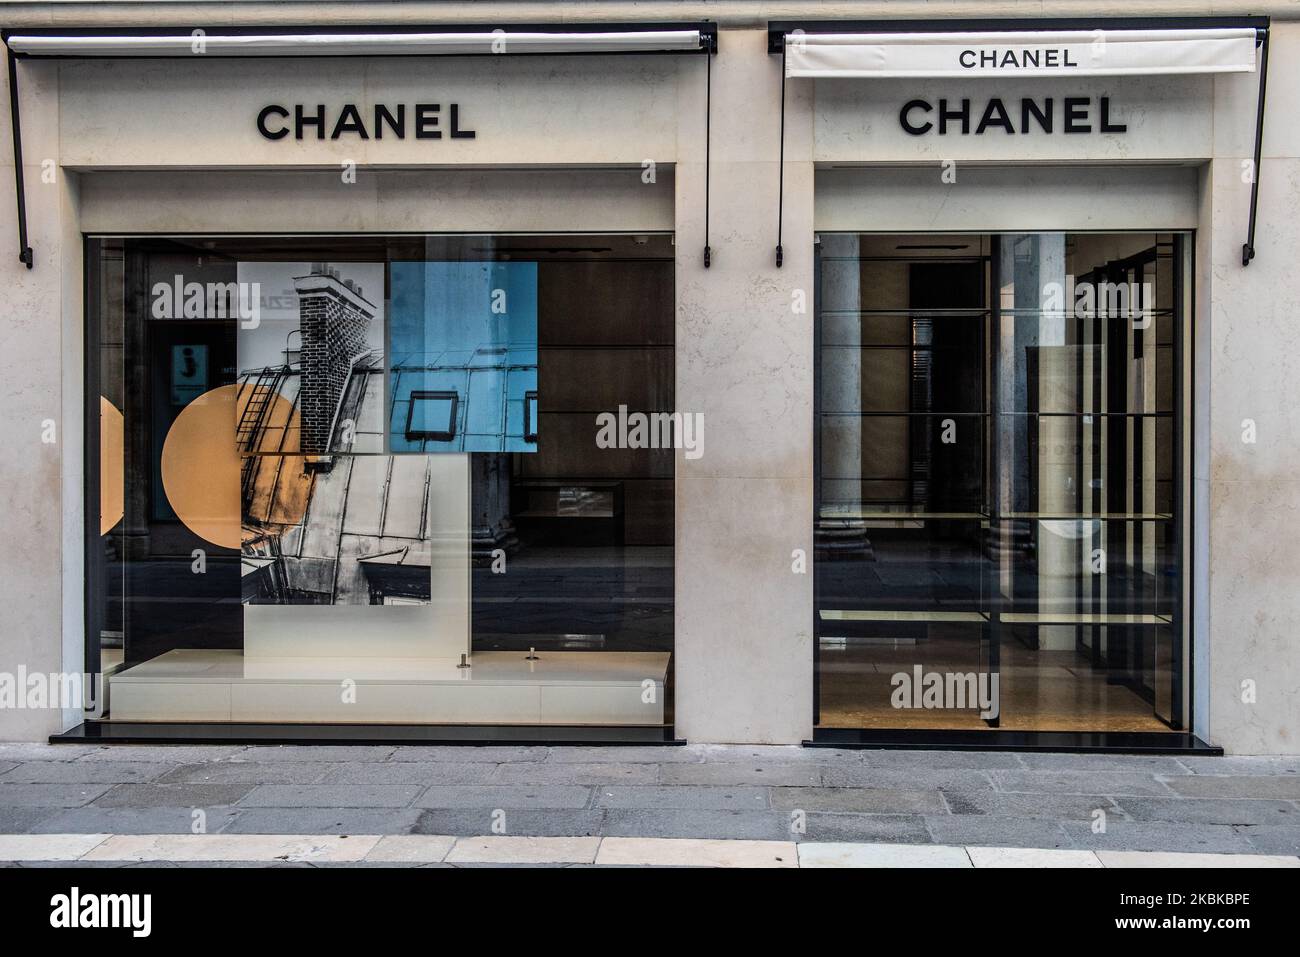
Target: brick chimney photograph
x: 316, y: 322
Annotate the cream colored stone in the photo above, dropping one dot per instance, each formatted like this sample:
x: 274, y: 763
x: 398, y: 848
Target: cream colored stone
x: 1030, y: 857
x: 47, y: 847
x: 522, y: 110
x: 744, y: 356
x: 232, y: 847
x: 432, y: 200
x: 1171, y: 859
x: 881, y: 855
x: 411, y: 848
x: 675, y: 852
x: 986, y: 199
x: 524, y: 850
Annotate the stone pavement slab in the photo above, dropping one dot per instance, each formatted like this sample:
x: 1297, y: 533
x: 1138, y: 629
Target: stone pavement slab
x: 411, y: 848
x: 1174, y: 859
x: 49, y: 795
x: 873, y: 828
x: 504, y: 796
x: 344, y: 820
x: 836, y: 795
x: 1080, y: 782
x: 551, y: 822
x: 524, y: 850
x: 174, y: 795
x: 135, y: 820
x: 716, y: 798
x: 1210, y: 811
x: 1272, y: 840
x: 331, y: 795
x: 1158, y: 836
x: 682, y: 853
x: 1031, y: 857
x: 231, y: 847
x: 882, y: 855
x: 48, y: 847
x: 696, y: 823
x: 859, y: 800
x: 252, y: 772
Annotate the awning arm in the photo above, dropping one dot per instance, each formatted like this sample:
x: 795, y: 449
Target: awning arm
x: 708, y: 140
x: 25, y: 254
x: 1248, y: 250
x: 780, y: 166
x: 584, y: 39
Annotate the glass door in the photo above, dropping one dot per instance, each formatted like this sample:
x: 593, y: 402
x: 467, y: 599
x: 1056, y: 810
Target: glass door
x: 999, y: 482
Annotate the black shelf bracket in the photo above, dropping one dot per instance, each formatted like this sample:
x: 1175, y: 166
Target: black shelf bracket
x: 25, y: 254
x: 1248, y: 249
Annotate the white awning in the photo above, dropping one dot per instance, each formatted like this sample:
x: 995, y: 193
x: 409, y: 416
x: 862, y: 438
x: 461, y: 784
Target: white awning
x: 353, y: 44
x: 1020, y: 53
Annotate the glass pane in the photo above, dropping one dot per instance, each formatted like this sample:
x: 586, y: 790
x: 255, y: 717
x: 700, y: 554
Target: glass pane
x: 998, y: 480
x: 373, y: 463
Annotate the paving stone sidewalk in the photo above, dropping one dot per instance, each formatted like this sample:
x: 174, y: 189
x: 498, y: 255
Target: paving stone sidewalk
x: 1235, y: 805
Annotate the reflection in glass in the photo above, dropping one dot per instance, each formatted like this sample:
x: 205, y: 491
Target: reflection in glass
x: 299, y: 513
x: 999, y: 480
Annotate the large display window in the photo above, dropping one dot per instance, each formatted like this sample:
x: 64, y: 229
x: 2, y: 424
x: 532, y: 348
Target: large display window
x: 359, y: 479
x: 1001, y: 500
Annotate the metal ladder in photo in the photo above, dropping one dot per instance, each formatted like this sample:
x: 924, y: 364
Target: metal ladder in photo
x: 262, y: 390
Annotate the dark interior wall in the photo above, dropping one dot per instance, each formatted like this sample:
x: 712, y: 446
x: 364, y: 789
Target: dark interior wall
x: 605, y: 339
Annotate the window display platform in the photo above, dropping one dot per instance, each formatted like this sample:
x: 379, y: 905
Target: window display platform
x: 500, y: 687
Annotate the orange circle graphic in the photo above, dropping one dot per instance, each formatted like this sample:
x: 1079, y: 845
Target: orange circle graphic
x: 200, y: 467
x: 112, y: 463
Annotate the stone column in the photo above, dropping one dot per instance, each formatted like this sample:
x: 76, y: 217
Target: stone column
x: 743, y: 610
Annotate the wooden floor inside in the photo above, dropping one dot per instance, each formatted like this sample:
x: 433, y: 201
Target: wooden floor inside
x: 1038, y: 690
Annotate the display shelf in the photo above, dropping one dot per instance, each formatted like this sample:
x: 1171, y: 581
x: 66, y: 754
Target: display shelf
x: 1083, y: 618
x: 889, y: 615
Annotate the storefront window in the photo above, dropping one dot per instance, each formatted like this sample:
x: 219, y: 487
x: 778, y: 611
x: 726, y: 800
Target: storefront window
x: 1000, y: 482
x: 357, y: 480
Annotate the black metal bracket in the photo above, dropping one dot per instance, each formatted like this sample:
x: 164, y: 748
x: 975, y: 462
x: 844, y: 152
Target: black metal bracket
x: 708, y: 30
x: 708, y: 142
x: 25, y: 254
x: 780, y: 166
x: 1248, y: 249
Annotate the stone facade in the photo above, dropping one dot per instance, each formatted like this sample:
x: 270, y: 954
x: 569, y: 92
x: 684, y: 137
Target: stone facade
x: 132, y: 153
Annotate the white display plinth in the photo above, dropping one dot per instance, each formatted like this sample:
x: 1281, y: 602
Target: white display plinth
x: 501, y: 687
x: 440, y: 629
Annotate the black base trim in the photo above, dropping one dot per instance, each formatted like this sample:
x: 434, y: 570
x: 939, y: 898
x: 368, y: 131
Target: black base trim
x: 1114, y: 742
x: 124, y: 732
